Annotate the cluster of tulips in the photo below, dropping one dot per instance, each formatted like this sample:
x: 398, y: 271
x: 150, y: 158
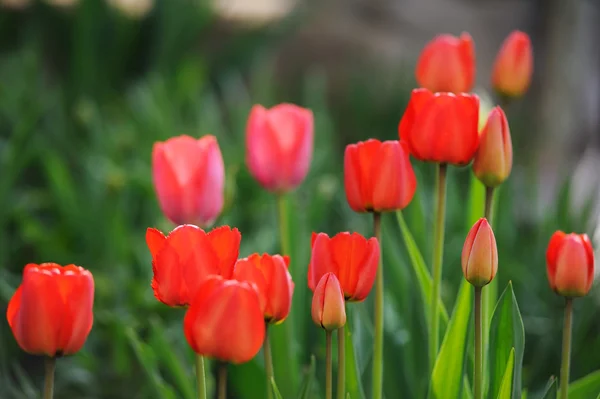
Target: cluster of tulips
x: 233, y: 302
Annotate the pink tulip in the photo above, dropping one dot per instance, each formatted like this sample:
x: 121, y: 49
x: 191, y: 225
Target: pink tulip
x: 279, y: 145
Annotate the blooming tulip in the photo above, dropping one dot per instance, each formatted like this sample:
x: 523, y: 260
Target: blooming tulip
x: 272, y: 280
x: 493, y: 159
x: 570, y: 264
x: 513, y: 67
x: 279, y: 145
x: 51, y: 311
x: 479, y: 255
x: 182, y: 260
x: 328, y: 307
x: 225, y: 321
x: 447, y: 63
x: 189, y: 178
x: 351, y: 257
x: 378, y: 176
x: 441, y: 127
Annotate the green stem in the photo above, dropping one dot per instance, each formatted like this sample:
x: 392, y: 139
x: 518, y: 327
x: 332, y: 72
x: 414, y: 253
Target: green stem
x: 328, y: 371
x: 478, y: 371
x: 438, y: 255
x: 222, y: 380
x: 341, y: 382
x: 284, y: 228
x: 489, y: 296
x: 566, y: 349
x: 200, y: 377
x: 489, y: 204
x: 378, y: 339
x: 50, y: 366
x: 268, y: 362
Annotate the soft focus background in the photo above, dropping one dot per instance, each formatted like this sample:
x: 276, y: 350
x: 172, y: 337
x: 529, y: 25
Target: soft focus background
x: 87, y: 86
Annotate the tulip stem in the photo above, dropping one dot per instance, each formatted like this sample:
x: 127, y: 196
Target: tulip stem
x: 222, y: 380
x: 341, y: 382
x: 268, y: 362
x: 478, y: 368
x: 490, y: 295
x: 489, y: 204
x: 284, y: 228
x: 328, y: 371
x: 200, y: 377
x: 438, y: 255
x: 50, y: 366
x: 566, y: 349
x: 378, y: 339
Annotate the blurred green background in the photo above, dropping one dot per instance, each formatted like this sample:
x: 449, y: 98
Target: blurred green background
x: 87, y: 88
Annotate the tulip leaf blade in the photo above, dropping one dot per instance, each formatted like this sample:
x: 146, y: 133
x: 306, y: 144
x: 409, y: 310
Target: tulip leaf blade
x: 306, y: 389
x: 276, y: 392
x: 353, y: 377
x: 448, y: 371
x: 507, y: 380
x: 550, y: 391
x: 585, y: 387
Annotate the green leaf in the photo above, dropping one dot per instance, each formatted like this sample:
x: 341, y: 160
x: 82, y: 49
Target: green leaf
x: 507, y: 379
x: 506, y: 333
x: 353, y: 381
x: 275, y: 389
x: 448, y: 371
x: 586, y: 387
x: 551, y: 390
x: 306, y: 389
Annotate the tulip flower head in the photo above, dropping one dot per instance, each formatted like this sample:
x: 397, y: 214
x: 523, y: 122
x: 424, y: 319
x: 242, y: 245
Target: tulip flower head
x: 328, y: 306
x: 570, y: 264
x: 270, y: 277
x: 351, y: 257
x: 378, y: 176
x: 51, y: 311
x: 189, y: 179
x: 225, y: 321
x: 480, y: 255
x: 493, y: 159
x: 182, y: 260
x: 513, y: 67
x: 447, y: 64
x: 441, y: 127
x: 279, y: 145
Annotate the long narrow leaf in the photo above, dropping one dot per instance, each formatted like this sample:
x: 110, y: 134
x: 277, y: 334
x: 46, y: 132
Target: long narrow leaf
x: 507, y: 380
x: 353, y: 377
x: 586, y: 387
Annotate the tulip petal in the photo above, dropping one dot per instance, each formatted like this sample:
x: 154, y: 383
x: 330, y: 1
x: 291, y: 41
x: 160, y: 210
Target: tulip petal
x: 571, y: 268
x: 321, y: 261
x: 551, y: 256
x: 263, y: 155
x: 367, y: 271
x: 155, y: 240
x: 352, y: 179
x: 166, y: 184
x: 246, y: 270
x: 225, y: 242
x: 394, y: 179
x: 78, y: 298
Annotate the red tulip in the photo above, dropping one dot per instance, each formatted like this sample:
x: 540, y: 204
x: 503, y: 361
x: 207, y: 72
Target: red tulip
x: 514, y: 65
x: 378, y: 176
x: 182, y: 260
x: 570, y: 264
x: 225, y: 321
x: 493, y: 159
x: 447, y: 63
x: 328, y: 307
x: 51, y: 311
x: 189, y: 178
x: 351, y: 257
x: 279, y: 145
x: 480, y: 255
x: 441, y: 127
x: 269, y: 275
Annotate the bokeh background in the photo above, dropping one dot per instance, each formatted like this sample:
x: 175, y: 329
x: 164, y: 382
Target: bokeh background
x: 87, y: 86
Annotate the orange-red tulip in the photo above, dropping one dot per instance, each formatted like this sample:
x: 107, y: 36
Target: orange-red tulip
x: 328, y: 306
x: 182, y: 260
x: 270, y: 276
x: 441, y: 127
x: 189, y: 178
x: 51, y: 311
x: 279, y: 145
x: 514, y: 65
x: 480, y: 255
x: 493, y: 159
x: 570, y: 264
x: 447, y: 63
x: 351, y: 257
x: 378, y: 176
x: 225, y: 321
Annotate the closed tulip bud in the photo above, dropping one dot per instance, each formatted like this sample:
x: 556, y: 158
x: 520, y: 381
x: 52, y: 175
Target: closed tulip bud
x: 270, y: 277
x: 51, y: 311
x: 513, y: 67
x: 225, y: 321
x: 189, y: 178
x: 328, y: 306
x: 570, y: 264
x: 493, y: 159
x: 378, y: 176
x: 447, y: 63
x: 182, y: 260
x: 279, y: 145
x: 441, y: 127
x: 479, y: 255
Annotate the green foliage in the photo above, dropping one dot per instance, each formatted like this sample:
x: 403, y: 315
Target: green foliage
x: 506, y: 391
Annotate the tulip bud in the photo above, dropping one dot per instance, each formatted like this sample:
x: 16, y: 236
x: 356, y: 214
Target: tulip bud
x: 513, y: 67
x: 493, y: 160
x: 479, y: 255
x: 570, y: 264
x: 328, y: 306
